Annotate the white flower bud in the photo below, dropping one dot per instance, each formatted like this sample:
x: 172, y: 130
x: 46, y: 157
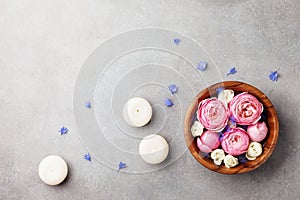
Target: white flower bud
x: 218, y: 156
x: 250, y: 157
x: 254, y: 149
x: 226, y: 96
x: 197, y: 129
x: 230, y: 161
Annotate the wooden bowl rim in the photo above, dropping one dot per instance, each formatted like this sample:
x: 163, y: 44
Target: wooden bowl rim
x: 272, y: 122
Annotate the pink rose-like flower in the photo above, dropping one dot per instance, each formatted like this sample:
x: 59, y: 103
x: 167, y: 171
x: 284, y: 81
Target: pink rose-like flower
x: 245, y: 109
x: 208, y: 141
x: 258, y: 131
x: 235, y: 142
x: 213, y: 114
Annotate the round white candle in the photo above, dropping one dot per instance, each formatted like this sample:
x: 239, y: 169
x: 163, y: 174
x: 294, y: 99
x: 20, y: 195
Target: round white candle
x: 137, y: 112
x: 154, y: 149
x: 53, y: 170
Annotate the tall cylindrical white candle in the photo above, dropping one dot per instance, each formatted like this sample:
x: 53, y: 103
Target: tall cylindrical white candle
x: 137, y: 112
x: 53, y: 170
x: 154, y: 149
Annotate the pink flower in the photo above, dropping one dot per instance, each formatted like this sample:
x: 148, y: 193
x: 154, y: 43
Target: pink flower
x: 245, y: 109
x: 213, y: 114
x: 258, y: 131
x: 235, y: 142
x: 208, y: 141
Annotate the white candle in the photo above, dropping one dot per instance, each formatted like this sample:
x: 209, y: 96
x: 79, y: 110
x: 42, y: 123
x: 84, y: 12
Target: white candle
x: 154, y: 149
x: 137, y: 112
x: 53, y: 170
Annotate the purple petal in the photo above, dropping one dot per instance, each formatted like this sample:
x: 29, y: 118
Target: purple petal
x: 242, y: 159
x: 231, y: 71
x: 177, y: 41
x: 221, y: 137
x: 63, y: 130
x: 88, y: 104
x: 220, y: 89
x: 202, y: 65
x: 168, y: 102
x: 121, y: 166
x: 87, y: 157
x: 173, y: 88
x: 273, y: 76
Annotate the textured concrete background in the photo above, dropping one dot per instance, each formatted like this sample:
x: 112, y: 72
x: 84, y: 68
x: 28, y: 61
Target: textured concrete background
x: 43, y: 45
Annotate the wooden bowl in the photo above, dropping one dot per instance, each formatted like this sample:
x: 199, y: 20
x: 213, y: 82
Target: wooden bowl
x: 268, y: 144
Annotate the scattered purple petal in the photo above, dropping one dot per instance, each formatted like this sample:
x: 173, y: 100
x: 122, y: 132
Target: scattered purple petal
x: 220, y: 89
x: 207, y: 155
x: 63, y: 130
x: 194, y: 118
x: 226, y: 129
x: 221, y: 137
x: 168, y: 102
x: 274, y: 76
x: 242, y: 159
x: 202, y: 65
x: 87, y: 157
x: 173, y: 88
x: 231, y: 118
x: 88, y: 104
x: 177, y: 41
x: 263, y: 117
x: 121, y: 166
x: 231, y: 124
x: 232, y: 71
x: 244, y: 127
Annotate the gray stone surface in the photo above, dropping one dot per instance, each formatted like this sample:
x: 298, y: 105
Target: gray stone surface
x: 43, y: 45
